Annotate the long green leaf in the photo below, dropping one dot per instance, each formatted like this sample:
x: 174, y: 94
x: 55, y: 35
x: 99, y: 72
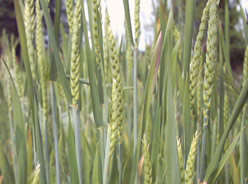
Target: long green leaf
x: 231, y: 121
x: 55, y: 49
x: 188, y: 30
x: 97, y: 109
x: 20, y: 135
x: 226, y: 156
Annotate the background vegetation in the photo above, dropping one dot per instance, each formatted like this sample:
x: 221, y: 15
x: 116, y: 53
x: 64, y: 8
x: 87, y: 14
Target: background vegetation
x: 80, y: 108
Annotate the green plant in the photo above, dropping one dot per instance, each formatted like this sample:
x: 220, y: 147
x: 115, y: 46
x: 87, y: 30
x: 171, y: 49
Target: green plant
x: 95, y: 111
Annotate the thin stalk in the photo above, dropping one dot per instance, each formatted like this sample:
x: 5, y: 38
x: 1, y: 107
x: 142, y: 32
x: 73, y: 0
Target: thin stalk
x: 204, y: 147
x: 55, y: 133
x: 106, y: 159
x: 198, y: 156
x: 135, y: 98
x: 242, y: 151
x: 227, y: 36
x: 76, y: 120
x: 39, y: 148
x: 214, y: 138
x: 226, y: 174
x: 12, y: 135
x: 47, y: 159
x: 119, y: 163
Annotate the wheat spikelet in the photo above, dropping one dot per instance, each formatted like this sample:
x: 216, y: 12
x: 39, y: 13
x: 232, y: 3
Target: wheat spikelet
x: 69, y: 12
x: 41, y: 59
x: 211, y: 58
x: 9, y: 84
x: 29, y: 21
x: 190, y: 166
x: 147, y: 162
x: 129, y: 54
x: 19, y: 82
x: 137, y: 22
x: 245, y: 66
x: 75, y: 57
x: 199, y: 87
x: 36, y: 173
x: 177, y: 37
x: 117, y: 95
x: 181, y: 159
x: 107, y: 64
x: 96, y: 18
x: 196, y: 59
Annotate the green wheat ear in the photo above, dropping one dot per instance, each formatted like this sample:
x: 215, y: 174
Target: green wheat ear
x: 211, y: 58
x: 96, y: 18
x: 117, y: 94
x: 107, y: 64
x: 177, y: 37
x: 196, y: 59
x: 147, y: 162
x: 36, y: 175
x: 75, y: 57
x: 40, y: 45
x: 69, y: 12
x: 181, y: 159
x: 137, y: 22
x: 245, y: 66
x: 129, y: 54
x: 29, y: 21
x: 17, y: 70
x: 199, y: 88
x: 190, y: 166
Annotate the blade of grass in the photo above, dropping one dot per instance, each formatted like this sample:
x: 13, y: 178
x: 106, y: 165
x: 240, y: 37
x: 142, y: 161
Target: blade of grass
x: 213, y: 165
x: 55, y: 49
x: 150, y: 85
x: 72, y: 156
x: 135, y: 98
x: 172, y: 162
x: 188, y: 30
x: 97, y: 110
x: 227, y: 32
x: 20, y: 135
x: 226, y: 157
x: 55, y: 133
x: 128, y: 20
x: 96, y: 172
x: 6, y: 169
x: 78, y: 144
x: 243, y: 159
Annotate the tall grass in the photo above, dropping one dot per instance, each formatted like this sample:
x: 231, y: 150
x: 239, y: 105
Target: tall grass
x: 90, y: 110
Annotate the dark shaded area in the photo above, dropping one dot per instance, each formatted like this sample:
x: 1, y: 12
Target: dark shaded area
x: 7, y: 17
x: 8, y: 20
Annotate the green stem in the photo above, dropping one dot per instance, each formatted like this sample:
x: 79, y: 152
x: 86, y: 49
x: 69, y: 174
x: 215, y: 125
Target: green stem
x: 242, y: 151
x: 76, y: 121
x: 204, y: 145
x: 106, y: 160
x: 55, y: 133
x: 135, y: 99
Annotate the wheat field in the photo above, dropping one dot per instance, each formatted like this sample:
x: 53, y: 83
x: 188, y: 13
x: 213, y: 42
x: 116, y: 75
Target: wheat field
x: 83, y: 108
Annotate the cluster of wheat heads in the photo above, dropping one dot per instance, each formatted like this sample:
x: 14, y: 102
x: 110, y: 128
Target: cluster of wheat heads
x: 86, y: 108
